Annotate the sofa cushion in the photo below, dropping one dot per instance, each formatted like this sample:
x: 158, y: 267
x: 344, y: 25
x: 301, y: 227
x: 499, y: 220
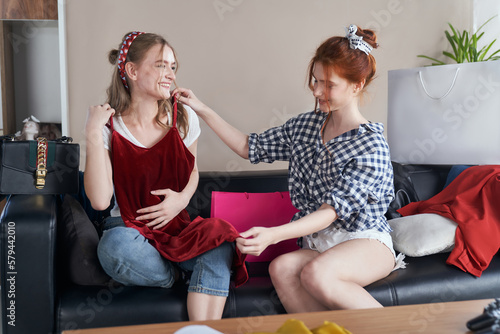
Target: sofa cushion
x: 454, y: 172
x: 423, y: 234
x: 79, y: 241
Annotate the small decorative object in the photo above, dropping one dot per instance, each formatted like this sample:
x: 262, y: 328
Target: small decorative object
x: 51, y: 131
x: 488, y: 321
x: 30, y: 130
x: 464, y: 45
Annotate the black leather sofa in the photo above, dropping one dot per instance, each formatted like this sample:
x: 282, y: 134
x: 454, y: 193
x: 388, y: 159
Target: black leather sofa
x: 46, y: 301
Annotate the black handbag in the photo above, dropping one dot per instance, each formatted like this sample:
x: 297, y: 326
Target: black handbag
x: 39, y: 166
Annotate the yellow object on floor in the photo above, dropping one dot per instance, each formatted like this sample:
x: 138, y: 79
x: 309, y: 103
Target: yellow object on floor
x: 293, y: 326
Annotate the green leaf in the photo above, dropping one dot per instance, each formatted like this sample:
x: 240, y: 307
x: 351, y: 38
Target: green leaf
x: 465, y: 45
x: 474, y: 40
x: 461, y: 47
x: 481, y: 27
x: 472, y: 54
x: 451, y: 40
x: 484, y: 51
x: 452, y: 29
x: 436, y: 62
x: 449, y: 55
x: 493, y: 57
x: 494, y: 53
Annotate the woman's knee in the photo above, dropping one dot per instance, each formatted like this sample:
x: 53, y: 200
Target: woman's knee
x: 311, y: 275
x: 225, y: 252
x: 219, y: 259
x: 211, y: 271
x: 119, y: 241
x: 274, y: 267
x: 127, y: 256
x: 282, y: 267
x: 114, y: 248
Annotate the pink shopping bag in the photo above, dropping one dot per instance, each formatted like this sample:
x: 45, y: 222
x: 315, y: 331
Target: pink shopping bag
x: 246, y: 210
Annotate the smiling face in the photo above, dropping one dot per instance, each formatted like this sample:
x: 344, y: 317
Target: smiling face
x: 155, y: 74
x: 332, y: 91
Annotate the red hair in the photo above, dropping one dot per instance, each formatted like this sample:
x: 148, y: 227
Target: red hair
x: 335, y: 54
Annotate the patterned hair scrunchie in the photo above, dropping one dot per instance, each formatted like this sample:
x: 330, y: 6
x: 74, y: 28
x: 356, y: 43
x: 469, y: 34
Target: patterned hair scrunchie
x: 123, y: 54
x: 355, y: 41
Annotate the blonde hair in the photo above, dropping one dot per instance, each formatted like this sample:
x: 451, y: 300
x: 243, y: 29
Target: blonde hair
x: 119, y: 97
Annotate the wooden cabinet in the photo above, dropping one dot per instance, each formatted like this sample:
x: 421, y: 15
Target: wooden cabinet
x: 28, y: 9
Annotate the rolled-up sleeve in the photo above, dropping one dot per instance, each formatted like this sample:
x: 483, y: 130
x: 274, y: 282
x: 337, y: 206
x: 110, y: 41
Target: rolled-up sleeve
x: 271, y: 145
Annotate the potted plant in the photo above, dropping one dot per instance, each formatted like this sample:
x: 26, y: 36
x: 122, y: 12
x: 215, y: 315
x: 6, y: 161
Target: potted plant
x: 464, y: 45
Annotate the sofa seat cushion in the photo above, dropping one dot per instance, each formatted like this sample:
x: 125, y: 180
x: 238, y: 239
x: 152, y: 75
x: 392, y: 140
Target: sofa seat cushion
x: 257, y: 297
x: 81, y: 307
x: 429, y: 279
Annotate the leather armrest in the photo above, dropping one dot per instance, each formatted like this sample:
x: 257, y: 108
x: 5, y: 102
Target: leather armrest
x: 27, y: 248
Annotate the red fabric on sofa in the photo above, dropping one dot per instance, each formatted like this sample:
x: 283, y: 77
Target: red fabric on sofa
x: 471, y: 200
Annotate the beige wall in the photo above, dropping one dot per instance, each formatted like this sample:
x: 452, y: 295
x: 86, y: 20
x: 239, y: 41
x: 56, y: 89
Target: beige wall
x: 247, y: 58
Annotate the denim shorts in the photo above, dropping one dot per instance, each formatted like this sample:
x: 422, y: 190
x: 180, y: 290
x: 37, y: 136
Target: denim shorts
x: 130, y: 259
x: 331, y: 236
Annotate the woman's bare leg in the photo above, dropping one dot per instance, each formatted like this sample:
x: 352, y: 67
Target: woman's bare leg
x: 202, y: 306
x: 337, y: 277
x: 285, y: 272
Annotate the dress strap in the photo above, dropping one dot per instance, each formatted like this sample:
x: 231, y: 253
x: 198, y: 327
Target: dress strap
x: 110, y: 123
x: 174, y: 124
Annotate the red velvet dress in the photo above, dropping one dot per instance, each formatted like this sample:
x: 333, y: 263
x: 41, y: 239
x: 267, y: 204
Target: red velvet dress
x: 166, y: 165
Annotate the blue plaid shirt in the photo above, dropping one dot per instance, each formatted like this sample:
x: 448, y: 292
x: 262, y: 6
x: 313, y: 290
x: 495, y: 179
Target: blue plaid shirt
x: 356, y: 178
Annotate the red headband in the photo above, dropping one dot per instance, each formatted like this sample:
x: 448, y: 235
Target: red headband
x: 123, y: 54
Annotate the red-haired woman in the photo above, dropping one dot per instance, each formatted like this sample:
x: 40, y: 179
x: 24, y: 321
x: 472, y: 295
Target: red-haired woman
x: 340, y: 178
x: 145, y: 158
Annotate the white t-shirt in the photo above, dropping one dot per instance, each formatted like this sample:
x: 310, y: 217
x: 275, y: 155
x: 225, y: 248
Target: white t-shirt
x: 194, y: 132
x: 120, y: 127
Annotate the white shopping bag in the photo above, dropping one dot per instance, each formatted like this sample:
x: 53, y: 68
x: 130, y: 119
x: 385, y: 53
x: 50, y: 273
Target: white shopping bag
x: 447, y: 114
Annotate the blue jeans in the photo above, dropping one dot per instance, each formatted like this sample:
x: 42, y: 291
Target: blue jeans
x: 130, y: 259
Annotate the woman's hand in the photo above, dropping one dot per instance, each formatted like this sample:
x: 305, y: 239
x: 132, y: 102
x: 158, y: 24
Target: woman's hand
x: 97, y: 117
x: 161, y: 214
x: 186, y: 96
x: 256, y: 240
